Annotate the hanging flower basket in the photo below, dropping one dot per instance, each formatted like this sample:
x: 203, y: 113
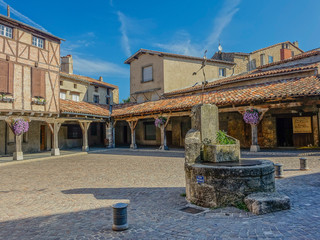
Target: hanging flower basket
x: 20, y: 126
x: 160, y: 121
x: 252, y: 116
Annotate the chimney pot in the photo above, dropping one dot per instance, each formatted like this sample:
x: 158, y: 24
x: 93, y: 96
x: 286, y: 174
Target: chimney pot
x: 296, y: 43
x: 100, y: 78
x: 8, y: 10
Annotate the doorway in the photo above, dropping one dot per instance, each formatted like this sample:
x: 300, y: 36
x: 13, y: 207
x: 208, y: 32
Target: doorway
x: 284, y: 132
x: 42, y: 137
x: 125, y: 134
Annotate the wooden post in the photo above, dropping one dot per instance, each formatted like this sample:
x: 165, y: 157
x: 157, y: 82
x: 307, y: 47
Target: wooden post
x: 54, y: 128
x: 84, y: 127
x: 163, y: 135
x: 132, y: 125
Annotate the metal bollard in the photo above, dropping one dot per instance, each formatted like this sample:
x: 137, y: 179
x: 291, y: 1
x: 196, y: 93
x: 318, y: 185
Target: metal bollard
x: 303, y: 164
x: 120, y: 217
x: 278, y: 170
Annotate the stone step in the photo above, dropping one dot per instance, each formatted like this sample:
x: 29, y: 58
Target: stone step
x: 267, y: 202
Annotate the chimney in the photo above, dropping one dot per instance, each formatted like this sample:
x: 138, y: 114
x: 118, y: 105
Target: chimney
x: 285, y: 52
x: 296, y: 43
x: 8, y: 10
x: 67, y: 64
x: 101, y: 79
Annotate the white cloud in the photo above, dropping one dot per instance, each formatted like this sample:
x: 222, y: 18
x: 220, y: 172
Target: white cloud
x: 22, y: 17
x: 124, y: 34
x: 184, y: 45
x: 97, y: 67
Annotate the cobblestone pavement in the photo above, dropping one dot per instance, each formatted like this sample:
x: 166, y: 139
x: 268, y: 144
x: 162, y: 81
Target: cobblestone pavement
x: 71, y: 198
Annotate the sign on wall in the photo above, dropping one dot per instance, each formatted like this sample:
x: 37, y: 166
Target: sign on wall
x: 301, y: 125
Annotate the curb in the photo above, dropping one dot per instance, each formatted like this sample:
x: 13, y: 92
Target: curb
x: 13, y: 162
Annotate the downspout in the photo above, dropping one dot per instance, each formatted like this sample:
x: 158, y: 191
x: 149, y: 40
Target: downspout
x: 6, y: 139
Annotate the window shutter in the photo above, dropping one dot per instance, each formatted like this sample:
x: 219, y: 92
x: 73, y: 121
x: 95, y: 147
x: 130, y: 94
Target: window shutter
x: 38, y: 83
x: 4, y: 75
x: 10, y: 77
x: 147, y: 73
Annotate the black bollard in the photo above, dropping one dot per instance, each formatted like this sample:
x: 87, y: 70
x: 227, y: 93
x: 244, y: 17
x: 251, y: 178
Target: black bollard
x: 278, y: 170
x: 120, y: 222
x: 303, y: 164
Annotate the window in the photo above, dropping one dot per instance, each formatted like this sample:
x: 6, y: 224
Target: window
x: 262, y: 59
x: 63, y: 95
x: 147, y: 74
x: 38, y: 83
x: 108, y: 91
x: 5, y: 31
x: 75, y: 97
x: 61, y: 83
x: 38, y: 42
x: 253, y: 64
x: 149, y: 131
x: 107, y: 100
x: 292, y: 53
x: 94, y: 129
x: 96, y: 98
x: 222, y: 72
x: 96, y: 89
x: 270, y: 59
x: 74, y: 131
x: 75, y: 86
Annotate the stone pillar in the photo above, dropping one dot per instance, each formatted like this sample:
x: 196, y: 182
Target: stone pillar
x: 109, y: 134
x: 55, y: 151
x: 84, y: 127
x: 163, y: 138
x: 254, y: 136
x: 18, y: 154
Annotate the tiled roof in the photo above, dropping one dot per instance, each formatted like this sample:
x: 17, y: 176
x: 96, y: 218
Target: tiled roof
x: 308, y: 86
x: 244, y: 77
x: 294, y: 58
x: 143, y: 51
x: 88, y: 79
x: 288, y: 42
x: 69, y: 106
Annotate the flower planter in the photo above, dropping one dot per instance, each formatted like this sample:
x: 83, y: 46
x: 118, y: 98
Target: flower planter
x: 8, y: 100
x: 38, y: 102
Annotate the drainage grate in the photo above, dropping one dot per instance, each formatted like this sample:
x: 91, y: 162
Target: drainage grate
x: 191, y: 210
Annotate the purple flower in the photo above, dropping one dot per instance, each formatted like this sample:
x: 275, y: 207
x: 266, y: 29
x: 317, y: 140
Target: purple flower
x: 160, y: 121
x: 251, y: 116
x: 20, y: 126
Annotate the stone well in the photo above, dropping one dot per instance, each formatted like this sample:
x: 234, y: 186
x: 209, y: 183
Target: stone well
x: 216, y: 176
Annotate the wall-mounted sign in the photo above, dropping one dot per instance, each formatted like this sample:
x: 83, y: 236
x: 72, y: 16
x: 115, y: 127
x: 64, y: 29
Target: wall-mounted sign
x: 301, y: 125
x: 200, y: 179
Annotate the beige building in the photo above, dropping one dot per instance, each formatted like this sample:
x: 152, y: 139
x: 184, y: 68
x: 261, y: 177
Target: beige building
x: 153, y: 73
x: 81, y: 88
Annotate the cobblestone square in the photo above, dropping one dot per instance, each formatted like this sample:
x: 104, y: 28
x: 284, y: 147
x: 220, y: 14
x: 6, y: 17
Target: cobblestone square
x: 71, y: 198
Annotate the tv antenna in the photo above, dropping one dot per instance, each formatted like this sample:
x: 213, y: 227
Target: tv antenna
x: 204, y: 82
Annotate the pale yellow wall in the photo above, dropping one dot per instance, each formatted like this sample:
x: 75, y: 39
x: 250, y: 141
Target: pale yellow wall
x: 178, y: 73
x: 242, y: 64
x: 20, y: 51
x: 272, y: 51
x: 136, y: 66
x: 68, y: 88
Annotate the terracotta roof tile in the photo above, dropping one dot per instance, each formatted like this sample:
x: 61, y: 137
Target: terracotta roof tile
x: 69, y: 106
x: 248, y: 76
x: 295, y: 87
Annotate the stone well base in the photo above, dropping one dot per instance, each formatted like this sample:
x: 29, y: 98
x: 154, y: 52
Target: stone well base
x: 224, y: 184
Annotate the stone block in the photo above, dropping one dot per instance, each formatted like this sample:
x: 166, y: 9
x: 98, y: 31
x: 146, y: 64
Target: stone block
x: 266, y: 202
x: 192, y: 146
x: 221, y: 153
x: 55, y: 152
x: 18, y: 156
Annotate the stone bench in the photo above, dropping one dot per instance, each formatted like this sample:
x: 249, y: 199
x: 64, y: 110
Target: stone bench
x: 266, y: 202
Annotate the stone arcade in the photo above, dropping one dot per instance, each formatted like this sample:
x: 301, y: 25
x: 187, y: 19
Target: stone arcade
x: 215, y: 174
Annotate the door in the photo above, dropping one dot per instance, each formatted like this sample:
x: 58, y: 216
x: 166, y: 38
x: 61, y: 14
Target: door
x: 284, y: 132
x: 125, y: 134
x: 42, y: 138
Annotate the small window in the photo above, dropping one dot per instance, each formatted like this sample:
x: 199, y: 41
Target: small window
x: 270, y: 59
x: 222, y: 72
x: 75, y: 97
x: 108, y: 91
x: 62, y: 95
x: 292, y: 53
x: 262, y: 62
x: 253, y: 64
x: 75, y: 85
x: 147, y: 74
x: 96, y: 98
x: 5, y: 31
x: 108, y: 100
x: 38, y: 42
x: 96, y: 89
x: 149, y: 131
x: 74, y: 131
x: 61, y: 83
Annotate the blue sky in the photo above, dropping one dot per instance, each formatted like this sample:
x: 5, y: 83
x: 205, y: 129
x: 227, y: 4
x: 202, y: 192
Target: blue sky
x: 101, y: 34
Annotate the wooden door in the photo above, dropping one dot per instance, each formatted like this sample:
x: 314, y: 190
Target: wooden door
x: 42, y: 137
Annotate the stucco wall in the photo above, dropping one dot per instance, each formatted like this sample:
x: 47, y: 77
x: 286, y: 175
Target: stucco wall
x: 68, y: 88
